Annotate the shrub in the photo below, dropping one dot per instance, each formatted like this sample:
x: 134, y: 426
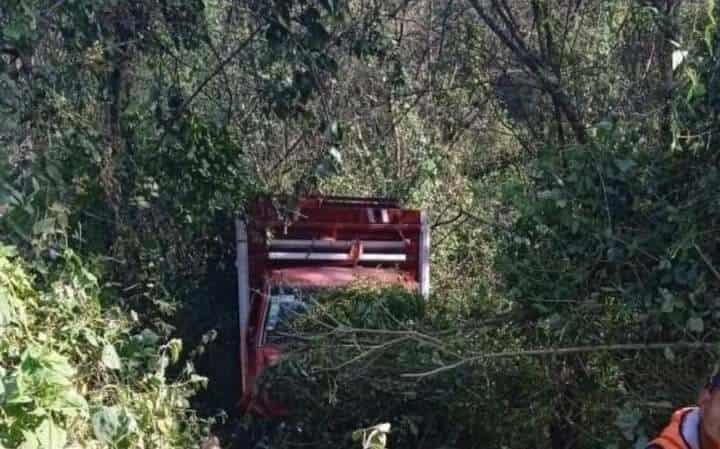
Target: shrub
x: 76, y: 371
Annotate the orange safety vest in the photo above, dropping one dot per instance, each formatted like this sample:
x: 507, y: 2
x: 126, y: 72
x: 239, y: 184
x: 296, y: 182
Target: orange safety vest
x: 683, y: 432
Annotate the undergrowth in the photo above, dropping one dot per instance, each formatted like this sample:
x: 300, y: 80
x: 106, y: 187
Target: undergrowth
x: 77, y: 373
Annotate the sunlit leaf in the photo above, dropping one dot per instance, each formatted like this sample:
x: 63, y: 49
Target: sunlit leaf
x: 113, y: 424
x: 175, y: 348
x: 678, y: 56
x: 50, y: 436
x: 110, y: 358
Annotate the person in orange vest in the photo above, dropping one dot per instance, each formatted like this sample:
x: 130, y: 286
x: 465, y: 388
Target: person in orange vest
x: 694, y: 427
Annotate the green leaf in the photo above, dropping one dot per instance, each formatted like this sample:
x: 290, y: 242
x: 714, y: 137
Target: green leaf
x: 2, y: 383
x: 15, y: 31
x: 335, y: 131
x: 113, y: 424
x: 44, y: 226
x: 697, y: 87
x: 625, y: 165
x: 669, y: 354
x: 44, y: 366
x: 91, y: 337
x: 668, y: 301
x: 30, y: 441
x: 162, y: 363
x: 141, y: 202
x: 8, y: 251
x: 110, y: 358
x: 696, y: 325
x: 54, y: 173
x: 50, y: 436
x: 70, y: 403
x: 106, y: 424
x: 58, y: 364
x: 200, y: 380
x: 147, y: 337
x: 15, y: 393
x: 7, y: 309
x: 335, y: 155
x: 175, y: 348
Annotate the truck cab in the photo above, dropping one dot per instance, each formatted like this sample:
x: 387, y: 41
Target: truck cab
x: 327, y: 243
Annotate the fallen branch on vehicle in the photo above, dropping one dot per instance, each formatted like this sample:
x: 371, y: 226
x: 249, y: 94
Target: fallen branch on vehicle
x: 564, y: 351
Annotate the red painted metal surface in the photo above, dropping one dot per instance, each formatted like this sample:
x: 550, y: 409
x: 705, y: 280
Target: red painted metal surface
x: 338, y: 277
x: 362, y: 222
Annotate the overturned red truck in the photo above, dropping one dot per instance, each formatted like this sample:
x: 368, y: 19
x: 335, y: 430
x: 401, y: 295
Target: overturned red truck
x: 332, y: 242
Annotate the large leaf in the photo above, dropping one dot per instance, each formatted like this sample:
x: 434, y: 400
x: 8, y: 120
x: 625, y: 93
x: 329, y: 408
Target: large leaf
x: 112, y: 425
x: 70, y: 403
x: 44, y: 226
x: 43, y: 369
x: 30, y: 441
x: 59, y: 365
x: 110, y: 357
x: 15, y: 392
x: 50, y: 436
x: 47, y: 436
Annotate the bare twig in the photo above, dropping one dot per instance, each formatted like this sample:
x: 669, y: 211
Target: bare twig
x: 408, y: 333
x: 367, y: 353
x: 216, y: 71
x: 219, y: 68
x: 565, y: 351
x: 507, y: 33
x: 707, y: 261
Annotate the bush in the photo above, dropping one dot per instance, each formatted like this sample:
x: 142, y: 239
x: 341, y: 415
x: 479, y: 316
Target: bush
x: 75, y: 371
x: 616, y: 221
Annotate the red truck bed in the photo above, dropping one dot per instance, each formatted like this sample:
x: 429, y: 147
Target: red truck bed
x: 329, y: 242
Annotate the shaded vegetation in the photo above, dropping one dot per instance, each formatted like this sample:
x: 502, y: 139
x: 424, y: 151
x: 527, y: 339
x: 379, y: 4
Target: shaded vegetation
x: 566, y: 151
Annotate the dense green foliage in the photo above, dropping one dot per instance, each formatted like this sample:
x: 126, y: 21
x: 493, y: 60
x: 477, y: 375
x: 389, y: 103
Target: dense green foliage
x: 76, y: 371
x: 566, y: 151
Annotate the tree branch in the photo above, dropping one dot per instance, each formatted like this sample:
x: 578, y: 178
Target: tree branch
x: 537, y: 67
x: 565, y: 351
x: 216, y: 71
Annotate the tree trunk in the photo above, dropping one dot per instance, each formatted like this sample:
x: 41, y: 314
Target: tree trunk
x: 505, y: 28
x: 116, y: 89
x: 563, y: 428
x: 664, y: 49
